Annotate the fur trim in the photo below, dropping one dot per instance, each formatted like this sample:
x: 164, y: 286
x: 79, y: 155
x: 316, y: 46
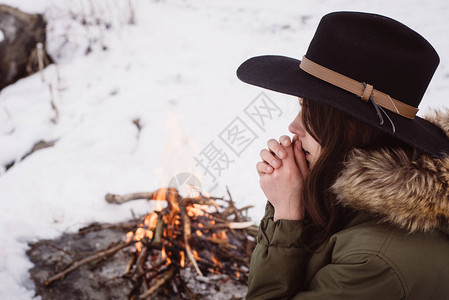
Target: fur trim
x: 410, y: 192
x: 439, y: 118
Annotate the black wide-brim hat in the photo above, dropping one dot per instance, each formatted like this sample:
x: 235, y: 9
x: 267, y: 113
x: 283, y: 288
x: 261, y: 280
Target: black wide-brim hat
x: 372, y: 50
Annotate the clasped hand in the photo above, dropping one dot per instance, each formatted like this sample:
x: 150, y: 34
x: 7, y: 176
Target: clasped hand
x: 282, y: 172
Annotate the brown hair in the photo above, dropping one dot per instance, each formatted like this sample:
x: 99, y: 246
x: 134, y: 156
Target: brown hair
x: 337, y: 133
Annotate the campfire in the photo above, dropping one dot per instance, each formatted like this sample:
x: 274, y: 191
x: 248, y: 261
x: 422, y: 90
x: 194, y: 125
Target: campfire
x: 208, y: 235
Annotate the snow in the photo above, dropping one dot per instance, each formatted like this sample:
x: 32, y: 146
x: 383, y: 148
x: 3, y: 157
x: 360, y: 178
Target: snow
x: 174, y: 70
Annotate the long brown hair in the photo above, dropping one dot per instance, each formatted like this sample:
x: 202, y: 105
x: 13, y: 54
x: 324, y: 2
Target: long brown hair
x: 337, y: 133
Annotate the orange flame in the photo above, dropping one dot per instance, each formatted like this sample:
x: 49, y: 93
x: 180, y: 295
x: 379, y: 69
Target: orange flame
x: 151, y: 220
x: 222, y: 235
x: 195, y: 210
x: 129, y: 236
x: 199, y: 233
x: 182, y: 261
x: 168, y: 261
x: 160, y: 194
x: 217, y: 262
x: 139, y: 246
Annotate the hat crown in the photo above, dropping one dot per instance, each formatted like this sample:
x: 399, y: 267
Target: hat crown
x: 376, y: 50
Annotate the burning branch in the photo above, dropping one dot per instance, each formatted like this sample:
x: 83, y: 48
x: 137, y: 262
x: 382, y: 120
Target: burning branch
x: 187, y: 236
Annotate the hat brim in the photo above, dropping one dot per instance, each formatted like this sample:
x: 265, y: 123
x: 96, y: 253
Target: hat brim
x: 282, y: 74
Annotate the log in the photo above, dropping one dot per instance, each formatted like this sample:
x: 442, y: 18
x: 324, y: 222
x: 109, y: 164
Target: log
x: 23, y: 33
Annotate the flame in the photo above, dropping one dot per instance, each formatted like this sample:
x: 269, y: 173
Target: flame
x: 129, y: 236
x: 217, y: 262
x: 160, y: 194
x: 139, y: 246
x: 222, y: 235
x: 196, y: 210
x: 171, y: 228
x: 182, y: 260
x: 151, y: 220
x: 237, y: 274
x: 139, y: 234
x: 168, y: 261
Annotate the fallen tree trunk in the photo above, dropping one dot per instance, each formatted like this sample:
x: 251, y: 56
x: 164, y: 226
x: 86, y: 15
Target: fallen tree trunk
x: 22, y: 49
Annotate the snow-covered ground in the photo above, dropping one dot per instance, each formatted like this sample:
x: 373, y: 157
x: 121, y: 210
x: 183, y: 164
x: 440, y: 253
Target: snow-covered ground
x: 174, y: 70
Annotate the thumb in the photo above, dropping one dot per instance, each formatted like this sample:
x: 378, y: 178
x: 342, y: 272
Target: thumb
x: 300, y: 158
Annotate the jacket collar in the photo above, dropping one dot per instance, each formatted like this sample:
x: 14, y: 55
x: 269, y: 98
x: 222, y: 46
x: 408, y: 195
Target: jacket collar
x: 408, y: 191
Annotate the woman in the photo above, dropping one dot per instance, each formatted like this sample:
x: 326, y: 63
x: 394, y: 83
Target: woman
x: 358, y: 200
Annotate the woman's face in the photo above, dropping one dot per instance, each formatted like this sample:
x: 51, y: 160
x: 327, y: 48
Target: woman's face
x: 310, y: 146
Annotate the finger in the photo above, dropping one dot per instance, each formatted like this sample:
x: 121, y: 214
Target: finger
x: 285, y: 141
x: 300, y: 158
x: 270, y: 158
x: 295, y: 138
x: 277, y: 148
x: 262, y: 167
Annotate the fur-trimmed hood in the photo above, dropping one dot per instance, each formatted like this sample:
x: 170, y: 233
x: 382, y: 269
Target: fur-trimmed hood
x: 411, y: 192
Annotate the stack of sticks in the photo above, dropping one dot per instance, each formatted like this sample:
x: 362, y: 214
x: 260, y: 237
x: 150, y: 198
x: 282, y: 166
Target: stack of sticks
x: 210, y: 235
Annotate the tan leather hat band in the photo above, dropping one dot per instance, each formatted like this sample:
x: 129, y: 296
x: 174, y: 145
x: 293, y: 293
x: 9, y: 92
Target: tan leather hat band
x: 358, y: 88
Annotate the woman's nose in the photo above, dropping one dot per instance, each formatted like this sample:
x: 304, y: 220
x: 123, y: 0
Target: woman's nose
x: 295, y: 127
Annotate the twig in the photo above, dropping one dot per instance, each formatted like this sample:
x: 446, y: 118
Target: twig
x: 154, y: 268
x: 166, y: 276
x: 58, y: 248
x: 190, y: 294
x: 99, y: 227
x: 158, y: 231
x: 245, y: 208
x: 86, y: 260
x: 38, y: 146
x: 139, y: 268
x: 130, y: 264
x: 201, y: 201
x: 118, y: 199
x: 187, y: 235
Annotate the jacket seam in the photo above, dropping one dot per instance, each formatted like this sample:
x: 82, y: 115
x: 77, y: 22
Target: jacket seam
x: 386, y: 242
x: 383, y: 258
x: 268, y: 245
x: 383, y: 249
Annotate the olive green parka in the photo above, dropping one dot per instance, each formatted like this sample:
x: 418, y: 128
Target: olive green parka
x: 397, y: 246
